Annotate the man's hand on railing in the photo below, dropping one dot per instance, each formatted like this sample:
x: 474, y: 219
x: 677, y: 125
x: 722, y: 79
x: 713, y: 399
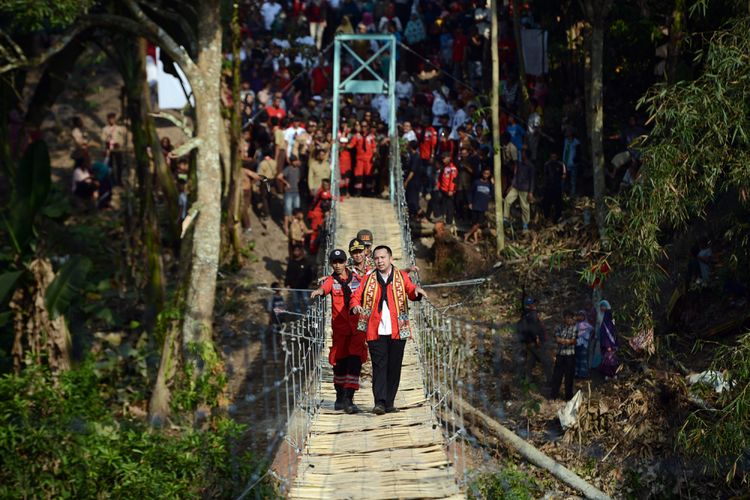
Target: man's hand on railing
x: 420, y: 292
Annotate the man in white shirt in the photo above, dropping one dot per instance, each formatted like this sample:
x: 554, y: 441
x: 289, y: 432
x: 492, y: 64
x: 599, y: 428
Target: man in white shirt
x: 382, y: 307
x: 409, y: 134
x: 269, y: 10
x: 440, y: 107
x: 380, y: 104
x: 404, y: 88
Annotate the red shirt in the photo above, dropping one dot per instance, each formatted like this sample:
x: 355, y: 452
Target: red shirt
x: 366, y: 147
x: 447, y: 179
x: 460, y: 42
x: 428, y: 143
x: 374, y: 321
x: 341, y: 319
x: 320, y: 78
x: 277, y: 112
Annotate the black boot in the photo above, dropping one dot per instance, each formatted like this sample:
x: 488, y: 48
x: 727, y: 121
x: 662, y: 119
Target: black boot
x: 340, y: 398
x: 350, y: 406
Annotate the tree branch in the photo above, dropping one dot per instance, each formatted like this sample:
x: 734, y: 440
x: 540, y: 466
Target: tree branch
x: 166, y: 42
x: 190, y: 145
x: 24, y: 62
x: 181, y: 124
x: 183, y: 23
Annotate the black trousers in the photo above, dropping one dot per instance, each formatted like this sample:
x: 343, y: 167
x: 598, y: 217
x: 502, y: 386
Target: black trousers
x: 565, y: 366
x: 552, y: 204
x: 386, y: 355
x: 116, y: 164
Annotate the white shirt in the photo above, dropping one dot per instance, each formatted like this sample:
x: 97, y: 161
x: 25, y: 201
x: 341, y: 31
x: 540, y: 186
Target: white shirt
x: 459, y: 118
x: 410, y: 136
x: 404, y: 90
x: 440, y: 107
x: 80, y: 175
x: 269, y: 10
x: 385, y: 328
x: 380, y: 104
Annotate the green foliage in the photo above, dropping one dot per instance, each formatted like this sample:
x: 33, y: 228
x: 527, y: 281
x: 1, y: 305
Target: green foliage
x: 31, y: 188
x: 697, y: 152
x: 61, y: 442
x: 34, y: 15
x: 67, y: 284
x: 509, y: 483
x: 721, y: 435
x: 203, y: 386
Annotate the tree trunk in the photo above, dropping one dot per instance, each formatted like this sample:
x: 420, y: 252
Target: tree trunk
x: 234, y: 220
x: 495, y: 36
x: 596, y: 11
x: 522, y: 88
x: 204, y: 259
x: 53, y: 82
x: 37, y: 334
x: 143, y: 128
x: 596, y: 105
x: 676, y: 33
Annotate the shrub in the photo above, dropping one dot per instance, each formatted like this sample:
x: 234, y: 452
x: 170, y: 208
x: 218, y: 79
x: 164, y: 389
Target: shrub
x: 59, y: 440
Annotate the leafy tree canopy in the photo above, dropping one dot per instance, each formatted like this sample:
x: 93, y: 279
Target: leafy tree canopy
x: 697, y: 153
x: 23, y: 16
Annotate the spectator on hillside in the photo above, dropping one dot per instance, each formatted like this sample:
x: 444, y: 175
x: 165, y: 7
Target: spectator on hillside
x: 80, y: 138
x: 290, y: 178
x: 521, y: 189
x: 299, y: 274
x: 554, y: 177
x: 481, y: 195
x: 114, y: 138
x: 84, y: 184
x: 569, y: 158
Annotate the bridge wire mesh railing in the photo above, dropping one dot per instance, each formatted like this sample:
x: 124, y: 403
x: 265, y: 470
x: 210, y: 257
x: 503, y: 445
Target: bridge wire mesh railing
x: 286, y: 398
x: 461, y: 360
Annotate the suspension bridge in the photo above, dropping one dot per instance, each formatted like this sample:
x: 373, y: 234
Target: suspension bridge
x: 321, y: 453
x: 450, y: 365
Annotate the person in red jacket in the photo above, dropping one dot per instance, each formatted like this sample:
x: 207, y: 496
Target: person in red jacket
x: 346, y: 145
x: 348, y: 350
x: 382, y: 305
x: 366, y: 145
x: 319, y: 207
x: 447, y: 188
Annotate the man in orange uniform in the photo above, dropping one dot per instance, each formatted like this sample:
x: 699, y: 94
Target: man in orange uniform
x: 365, y: 152
x: 382, y: 305
x: 447, y: 188
x: 348, y: 350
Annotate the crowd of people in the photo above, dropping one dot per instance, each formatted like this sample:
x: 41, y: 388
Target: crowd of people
x: 443, y: 124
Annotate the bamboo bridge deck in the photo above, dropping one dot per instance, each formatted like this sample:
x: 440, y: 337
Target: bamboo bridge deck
x: 362, y: 456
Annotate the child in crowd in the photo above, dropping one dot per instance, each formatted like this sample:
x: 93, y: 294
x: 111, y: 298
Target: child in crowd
x: 298, y: 229
x: 566, y: 338
x: 276, y: 306
x: 584, y: 329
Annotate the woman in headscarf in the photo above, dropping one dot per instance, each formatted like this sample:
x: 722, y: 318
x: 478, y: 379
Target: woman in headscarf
x: 608, y: 338
x: 345, y: 27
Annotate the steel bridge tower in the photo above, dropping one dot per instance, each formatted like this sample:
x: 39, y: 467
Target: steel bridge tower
x: 352, y: 85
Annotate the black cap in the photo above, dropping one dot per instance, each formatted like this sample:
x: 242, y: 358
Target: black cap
x: 356, y: 244
x: 337, y: 254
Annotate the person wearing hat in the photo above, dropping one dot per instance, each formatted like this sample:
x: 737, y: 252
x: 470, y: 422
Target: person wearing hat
x: 348, y: 348
x: 382, y: 305
x: 365, y: 236
x: 357, y: 264
x: 532, y: 335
